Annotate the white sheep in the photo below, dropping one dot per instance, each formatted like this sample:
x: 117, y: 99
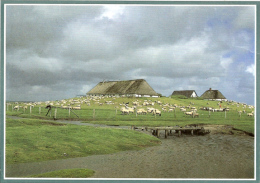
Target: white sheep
x: 170, y: 110
x: 130, y: 109
x: 157, y: 112
x: 183, y: 110
x: 250, y: 114
x: 189, y: 113
x: 195, y: 114
x: 141, y: 111
x: 76, y: 107
x: 124, y: 110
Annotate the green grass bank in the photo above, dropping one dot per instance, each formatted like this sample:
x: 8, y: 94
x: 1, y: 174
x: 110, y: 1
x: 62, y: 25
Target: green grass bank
x: 34, y: 140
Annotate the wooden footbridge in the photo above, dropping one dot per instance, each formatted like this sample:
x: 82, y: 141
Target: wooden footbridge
x: 177, y: 129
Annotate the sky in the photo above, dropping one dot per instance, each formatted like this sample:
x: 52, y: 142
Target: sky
x: 56, y: 52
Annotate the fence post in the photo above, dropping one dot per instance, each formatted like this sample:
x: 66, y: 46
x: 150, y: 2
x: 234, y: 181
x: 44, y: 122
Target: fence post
x: 55, y: 113
x: 69, y: 111
x: 7, y: 107
x: 39, y: 110
x: 12, y: 107
x: 30, y: 110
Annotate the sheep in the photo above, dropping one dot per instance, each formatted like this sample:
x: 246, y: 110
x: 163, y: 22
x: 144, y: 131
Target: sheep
x: 157, y: 112
x: 16, y: 107
x: 132, y: 110
x: 164, y: 109
x: 135, y: 103
x: 76, y: 107
x: 250, y: 114
x: 188, y: 113
x: 195, y: 114
x: 124, y: 110
x: 150, y: 110
x: 170, y: 110
x: 64, y: 107
x: 183, y: 110
x: 141, y: 111
x: 145, y: 104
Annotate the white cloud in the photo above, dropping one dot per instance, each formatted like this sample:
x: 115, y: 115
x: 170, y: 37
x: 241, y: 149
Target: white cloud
x: 112, y: 12
x: 251, y: 69
x: 85, y: 89
x: 225, y: 62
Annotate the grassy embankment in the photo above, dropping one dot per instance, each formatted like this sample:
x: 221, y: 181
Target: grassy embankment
x: 33, y: 140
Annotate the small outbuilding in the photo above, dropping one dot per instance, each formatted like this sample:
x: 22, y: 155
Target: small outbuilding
x: 213, y: 95
x: 187, y: 93
x: 128, y: 88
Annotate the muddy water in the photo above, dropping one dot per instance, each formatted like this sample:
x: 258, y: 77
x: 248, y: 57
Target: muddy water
x: 209, y: 156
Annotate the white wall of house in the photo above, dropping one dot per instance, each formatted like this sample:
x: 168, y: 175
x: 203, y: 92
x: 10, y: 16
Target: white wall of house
x: 193, y: 94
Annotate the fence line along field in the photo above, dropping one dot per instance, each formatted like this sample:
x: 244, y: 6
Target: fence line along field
x: 125, y: 111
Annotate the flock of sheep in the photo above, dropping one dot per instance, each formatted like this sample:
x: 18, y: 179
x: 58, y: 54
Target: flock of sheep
x: 137, y: 107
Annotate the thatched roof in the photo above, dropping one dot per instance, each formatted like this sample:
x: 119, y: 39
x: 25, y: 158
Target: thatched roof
x: 186, y: 93
x: 212, y: 94
x: 139, y: 86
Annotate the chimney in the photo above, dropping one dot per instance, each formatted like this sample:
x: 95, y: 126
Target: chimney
x: 209, y: 89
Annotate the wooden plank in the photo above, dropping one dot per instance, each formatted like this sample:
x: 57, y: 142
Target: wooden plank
x: 179, y: 133
x: 157, y: 133
x: 166, y: 133
x: 173, y: 128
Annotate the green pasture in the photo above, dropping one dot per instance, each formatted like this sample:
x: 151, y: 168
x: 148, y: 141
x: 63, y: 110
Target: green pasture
x: 110, y: 114
x: 37, y: 137
x: 34, y: 140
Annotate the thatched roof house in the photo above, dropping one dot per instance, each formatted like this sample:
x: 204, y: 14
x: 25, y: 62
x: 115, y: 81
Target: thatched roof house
x: 213, y: 95
x: 187, y: 93
x: 135, y: 88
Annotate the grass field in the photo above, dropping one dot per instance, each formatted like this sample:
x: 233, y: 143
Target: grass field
x: 93, y: 112
x: 33, y: 140
x: 37, y: 137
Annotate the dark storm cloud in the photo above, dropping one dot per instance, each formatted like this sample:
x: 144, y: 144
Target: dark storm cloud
x: 66, y: 50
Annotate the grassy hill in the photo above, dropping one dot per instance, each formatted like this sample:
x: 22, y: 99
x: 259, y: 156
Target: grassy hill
x: 106, y: 110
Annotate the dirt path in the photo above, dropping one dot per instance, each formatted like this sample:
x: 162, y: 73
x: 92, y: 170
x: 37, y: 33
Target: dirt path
x: 210, y: 156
